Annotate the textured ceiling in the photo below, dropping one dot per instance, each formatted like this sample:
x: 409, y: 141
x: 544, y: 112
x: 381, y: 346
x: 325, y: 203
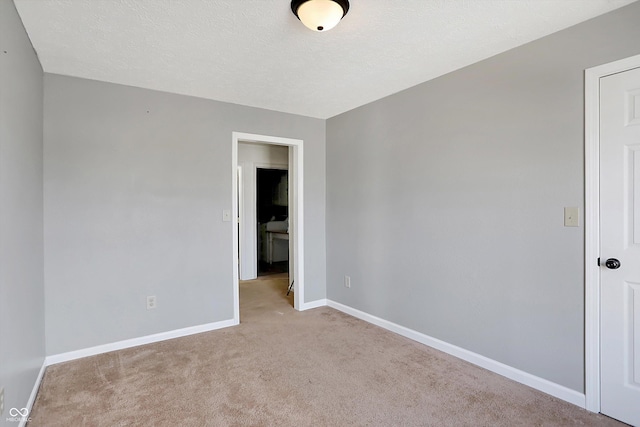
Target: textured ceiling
x: 256, y: 53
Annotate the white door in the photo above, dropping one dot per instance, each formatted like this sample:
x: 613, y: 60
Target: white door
x: 620, y: 241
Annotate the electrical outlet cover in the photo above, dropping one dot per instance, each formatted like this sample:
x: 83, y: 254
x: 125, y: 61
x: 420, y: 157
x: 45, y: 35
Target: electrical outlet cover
x: 151, y: 302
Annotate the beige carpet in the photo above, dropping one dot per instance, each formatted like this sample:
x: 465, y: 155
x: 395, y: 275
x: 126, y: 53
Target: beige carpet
x: 280, y: 367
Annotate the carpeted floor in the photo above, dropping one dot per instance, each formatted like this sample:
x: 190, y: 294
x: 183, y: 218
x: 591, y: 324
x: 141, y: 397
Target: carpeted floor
x: 280, y: 367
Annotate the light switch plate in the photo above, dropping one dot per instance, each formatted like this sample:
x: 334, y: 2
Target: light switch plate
x: 226, y: 215
x: 571, y: 217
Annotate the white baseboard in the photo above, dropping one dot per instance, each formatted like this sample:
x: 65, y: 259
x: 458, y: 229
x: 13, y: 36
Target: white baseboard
x: 134, y: 342
x: 546, y: 386
x: 313, y: 304
x: 34, y: 394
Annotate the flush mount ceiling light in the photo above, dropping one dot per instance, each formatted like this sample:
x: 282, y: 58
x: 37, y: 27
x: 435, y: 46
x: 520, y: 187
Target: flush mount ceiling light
x: 320, y: 15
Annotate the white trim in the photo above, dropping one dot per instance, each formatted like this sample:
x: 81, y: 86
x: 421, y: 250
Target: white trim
x: 242, y: 219
x: 234, y: 231
x: 34, y: 393
x: 296, y: 210
x: 522, y: 377
x: 314, y: 304
x: 592, y: 223
x: 134, y: 342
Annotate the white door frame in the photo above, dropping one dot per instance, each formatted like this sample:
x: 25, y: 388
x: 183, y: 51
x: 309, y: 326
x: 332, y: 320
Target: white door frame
x: 592, y: 223
x: 296, y: 209
x: 240, y: 218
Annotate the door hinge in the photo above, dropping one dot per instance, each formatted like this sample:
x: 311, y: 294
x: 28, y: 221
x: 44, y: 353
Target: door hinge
x: 598, y: 262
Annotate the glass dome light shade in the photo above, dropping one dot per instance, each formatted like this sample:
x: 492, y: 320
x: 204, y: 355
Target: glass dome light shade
x: 320, y: 15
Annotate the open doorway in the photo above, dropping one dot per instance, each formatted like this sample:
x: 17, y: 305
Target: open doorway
x: 263, y: 207
x: 290, y: 216
x: 272, y: 214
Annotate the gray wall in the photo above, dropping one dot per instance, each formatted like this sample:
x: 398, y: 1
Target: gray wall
x: 135, y: 185
x: 22, y: 346
x: 445, y: 201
